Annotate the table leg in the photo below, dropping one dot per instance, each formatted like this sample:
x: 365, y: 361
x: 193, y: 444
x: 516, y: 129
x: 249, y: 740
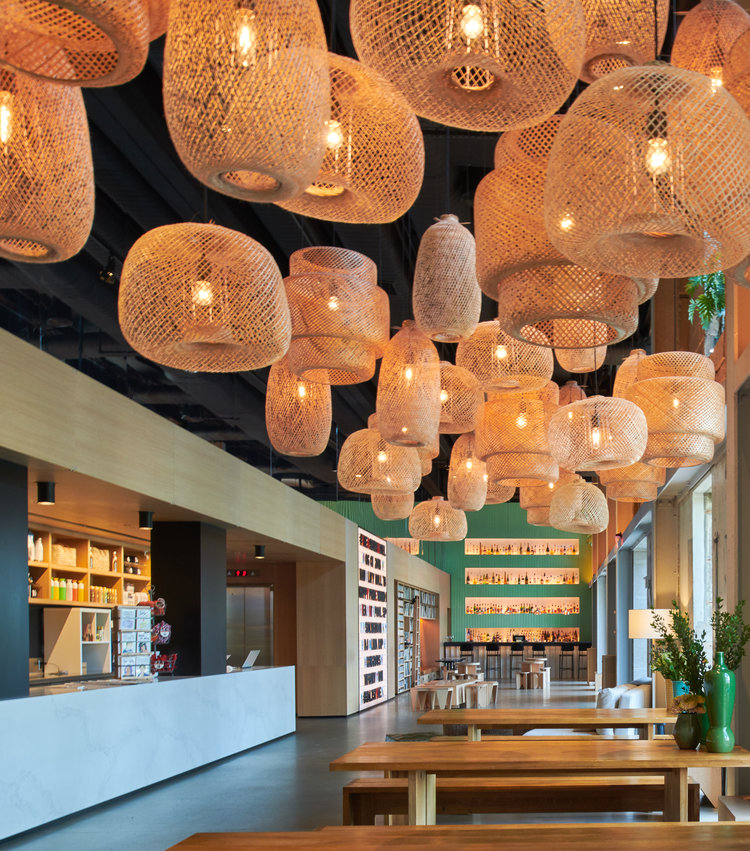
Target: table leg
x: 646, y: 731
x: 676, y: 794
x: 421, y: 798
x: 475, y: 733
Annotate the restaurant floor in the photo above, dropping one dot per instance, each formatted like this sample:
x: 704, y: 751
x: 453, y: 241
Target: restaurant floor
x: 282, y: 785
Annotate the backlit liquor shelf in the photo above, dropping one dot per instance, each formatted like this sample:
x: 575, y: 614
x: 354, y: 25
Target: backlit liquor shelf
x: 535, y: 634
x: 521, y: 547
x: 520, y: 576
x: 522, y: 606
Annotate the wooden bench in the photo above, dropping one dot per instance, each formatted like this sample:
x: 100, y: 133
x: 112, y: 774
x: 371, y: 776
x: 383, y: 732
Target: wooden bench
x: 734, y: 808
x: 368, y: 797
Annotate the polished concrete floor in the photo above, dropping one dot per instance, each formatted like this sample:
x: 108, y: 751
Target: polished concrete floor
x: 282, y: 785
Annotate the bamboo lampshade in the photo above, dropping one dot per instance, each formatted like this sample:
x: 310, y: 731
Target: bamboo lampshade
x: 392, y: 506
x: 498, y: 493
x: 627, y: 373
x: 500, y: 362
x: 619, y: 35
x: 646, y: 288
x: 425, y: 462
x: 78, y: 42
x: 374, y: 160
x: 737, y: 71
x: 490, y: 66
x: 579, y: 507
x: 158, y: 16
x: 408, y: 397
x: 437, y: 520
x: 540, y: 496
x: 46, y: 172
x: 511, y: 438
x: 581, y: 360
x: 509, y: 208
x: 367, y: 464
x: 597, y: 433
x: 538, y: 516
x: 571, y: 391
x: 298, y: 412
x: 460, y: 398
x: 340, y: 317
x: 203, y: 298
x: 636, y: 483
x: 446, y: 298
x: 572, y: 307
x: 637, y: 184
x: 684, y: 408
x: 247, y: 98
x: 467, y: 476
x: 428, y: 453
x: 739, y: 274
x: 706, y: 35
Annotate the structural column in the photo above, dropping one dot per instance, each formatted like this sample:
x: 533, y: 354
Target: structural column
x: 188, y: 569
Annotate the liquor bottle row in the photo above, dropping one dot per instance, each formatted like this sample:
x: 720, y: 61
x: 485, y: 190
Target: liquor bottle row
x: 535, y: 576
x: 512, y: 633
x: 516, y: 607
x: 517, y: 547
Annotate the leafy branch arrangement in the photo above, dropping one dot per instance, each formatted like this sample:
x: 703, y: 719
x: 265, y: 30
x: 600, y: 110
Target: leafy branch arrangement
x: 678, y: 652
x: 731, y: 633
x: 707, y: 298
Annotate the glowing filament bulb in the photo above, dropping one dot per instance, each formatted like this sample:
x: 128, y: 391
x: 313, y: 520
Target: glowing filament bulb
x: 443, y: 396
x: 382, y: 457
x: 202, y: 295
x: 675, y: 402
x: 436, y: 520
x: 717, y: 79
x: 302, y: 390
x: 334, y: 134
x: 658, y: 160
x: 551, y: 486
x: 469, y: 465
x: 333, y: 303
x: 471, y: 23
x: 485, y: 477
x: 521, y: 421
x: 566, y: 223
x: 6, y: 117
x: 246, y: 39
x: 501, y: 352
x: 404, y: 429
x: 570, y: 415
x: 595, y: 437
x: 408, y: 373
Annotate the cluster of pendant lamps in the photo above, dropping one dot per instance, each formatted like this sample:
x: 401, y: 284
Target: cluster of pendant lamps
x: 645, y: 176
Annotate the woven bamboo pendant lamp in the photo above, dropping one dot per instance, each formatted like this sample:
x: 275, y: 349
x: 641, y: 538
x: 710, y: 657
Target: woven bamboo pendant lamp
x: 498, y: 493
x: 428, y: 453
x: 446, y: 298
x: 627, y: 373
x: 367, y: 464
x: 706, y: 35
x: 247, y: 98
x: 46, y: 173
x: 646, y: 288
x: 570, y: 307
x: 374, y: 161
x: 597, y: 433
x: 392, y: 506
x: 408, y: 398
x: 581, y: 360
x: 636, y: 483
x: 437, y: 520
x: 571, y: 391
x: 737, y: 71
x: 298, y: 412
x: 579, y: 507
x: 467, y: 476
x: 536, y: 499
x: 509, y: 209
x: 460, y: 398
x: 490, y: 65
x: 203, y: 298
x: 78, y: 42
x: 619, y: 35
x: 158, y: 16
x: 511, y: 438
x: 684, y: 408
x: 340, y: 317
x: 637, y: 184
x: 538, y: 516
x: 501, y: 363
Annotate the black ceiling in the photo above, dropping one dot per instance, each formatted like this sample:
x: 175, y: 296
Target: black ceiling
x: 70, y: 309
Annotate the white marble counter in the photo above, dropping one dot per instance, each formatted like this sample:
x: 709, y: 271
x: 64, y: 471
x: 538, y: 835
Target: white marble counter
x: 60, y: 753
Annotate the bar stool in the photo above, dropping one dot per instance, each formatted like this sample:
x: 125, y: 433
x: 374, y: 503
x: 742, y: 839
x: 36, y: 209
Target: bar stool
x: 467, y: 647
x: 583, y: 659
x: 492, y: 659
x: 516, y: 657
x: 566, y: 659
x: 538, y: 650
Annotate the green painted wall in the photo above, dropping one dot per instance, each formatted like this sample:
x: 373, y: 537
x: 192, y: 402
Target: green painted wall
x: 493, y: 521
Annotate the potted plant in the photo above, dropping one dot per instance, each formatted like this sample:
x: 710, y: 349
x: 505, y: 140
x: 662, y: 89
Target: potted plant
x: 678, y: 652
x: 688, y: 729
x: 731, y: 634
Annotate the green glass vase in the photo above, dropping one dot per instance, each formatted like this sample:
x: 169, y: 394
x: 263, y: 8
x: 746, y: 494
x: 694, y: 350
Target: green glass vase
x: 687, y: 731
x: 719, y: 686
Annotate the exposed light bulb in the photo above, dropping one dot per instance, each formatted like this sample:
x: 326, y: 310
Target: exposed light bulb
x: 469, y: 464
x: 675, y: 402
x: 521, y: 421
x: 443, y: 396
x: 658, y: 160
x: 624, y: 41
x: 595, y: 437
x: 382, y: 457
x: 501, y: 352
x: 436, y: 519
x: 472, y: 22
x: 333, y: 303
x: 485, y: 478
x: 570, y: 415
x: 334, y: 134
x: 717, y: 77
x: 246, y: 38
x: 408, y: 373
x: 566, y: 223
x: 202, y: 294
x: 551, y: 486
x: 302, y: 391
x: 404, y: 429
x: 6, y: 117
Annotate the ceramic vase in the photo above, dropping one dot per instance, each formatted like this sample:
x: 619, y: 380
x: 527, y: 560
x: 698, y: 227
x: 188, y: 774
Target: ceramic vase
x: 719, y: 686
x: 687, y: 731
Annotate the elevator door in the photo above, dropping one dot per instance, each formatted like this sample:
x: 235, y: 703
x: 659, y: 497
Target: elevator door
x: 250, y: 623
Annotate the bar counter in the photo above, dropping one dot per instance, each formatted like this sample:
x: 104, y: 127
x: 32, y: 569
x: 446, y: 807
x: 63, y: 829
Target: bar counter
x: 552, y: 651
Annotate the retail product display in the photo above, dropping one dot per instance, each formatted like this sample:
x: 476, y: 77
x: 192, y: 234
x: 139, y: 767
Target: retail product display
x: 521, y: 576
x: 373, y: 619
x: 521, y: 547
x: 77, y: 641
x: 131, y: 641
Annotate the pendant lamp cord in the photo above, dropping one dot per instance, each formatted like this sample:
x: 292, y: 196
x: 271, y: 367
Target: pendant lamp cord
x: 447, y: 169
x: 656, y: 29
x: 337, y: 462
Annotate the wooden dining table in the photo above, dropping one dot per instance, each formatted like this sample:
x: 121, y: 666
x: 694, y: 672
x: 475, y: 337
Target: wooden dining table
x: 522, y: 719
x: 648, y: 836
x: 423, y: 761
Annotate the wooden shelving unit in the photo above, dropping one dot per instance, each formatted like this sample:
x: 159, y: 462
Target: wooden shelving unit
x: 78, y: 640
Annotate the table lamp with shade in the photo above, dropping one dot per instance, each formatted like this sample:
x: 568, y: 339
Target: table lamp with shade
x: 640, y: 625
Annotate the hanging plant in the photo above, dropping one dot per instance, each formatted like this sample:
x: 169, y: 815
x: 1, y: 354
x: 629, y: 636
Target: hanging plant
x: 707, y: 300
